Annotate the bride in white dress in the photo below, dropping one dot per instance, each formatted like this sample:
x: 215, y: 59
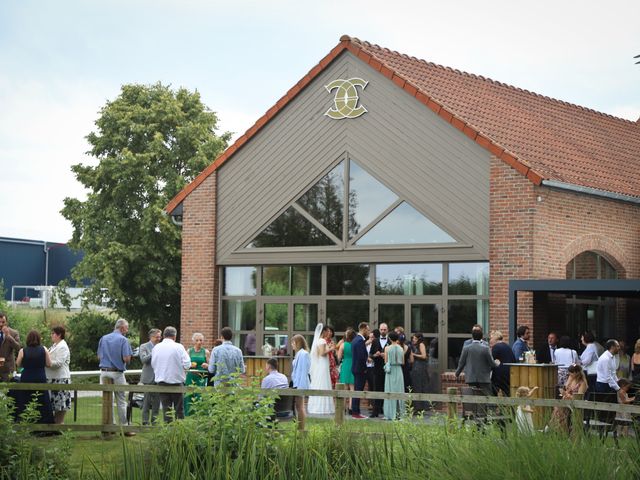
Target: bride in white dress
x: 320, y: 377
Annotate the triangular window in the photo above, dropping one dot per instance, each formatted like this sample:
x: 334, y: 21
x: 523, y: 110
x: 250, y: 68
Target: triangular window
x: 291, y: 229
x: 404, y: 226
x: 325, y: 200
x: 368, y: 198
x: 348, y: 207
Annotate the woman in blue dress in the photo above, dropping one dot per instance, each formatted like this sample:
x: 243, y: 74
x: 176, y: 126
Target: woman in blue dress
x: 394, y: 378
x: 34, y: 358
x: 300, y: 373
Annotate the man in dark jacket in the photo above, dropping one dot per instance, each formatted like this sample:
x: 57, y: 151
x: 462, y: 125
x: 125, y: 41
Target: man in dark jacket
x: 377, y: 353
x: 359, y: 365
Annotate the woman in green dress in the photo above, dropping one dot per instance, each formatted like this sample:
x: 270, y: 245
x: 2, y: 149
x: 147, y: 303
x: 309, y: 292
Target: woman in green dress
x: 200, y: 362
x: 394, y: 378
x: 344, y: 355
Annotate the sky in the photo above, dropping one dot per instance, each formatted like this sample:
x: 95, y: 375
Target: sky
x: 61, y: 61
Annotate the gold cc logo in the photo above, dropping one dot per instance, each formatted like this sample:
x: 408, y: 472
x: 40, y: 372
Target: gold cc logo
x: 346, y: 98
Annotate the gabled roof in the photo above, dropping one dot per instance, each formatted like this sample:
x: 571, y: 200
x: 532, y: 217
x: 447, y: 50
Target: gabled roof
x: 542, y: 138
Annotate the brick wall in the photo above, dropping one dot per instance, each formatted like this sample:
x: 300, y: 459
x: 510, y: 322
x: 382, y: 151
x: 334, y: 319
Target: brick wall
x: 199, y: 272
x: 511, y: 217
x: 536, y: 231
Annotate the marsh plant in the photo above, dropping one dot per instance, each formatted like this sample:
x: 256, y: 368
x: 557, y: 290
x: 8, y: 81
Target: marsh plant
x: 20, y: 457
x: 230, y: 437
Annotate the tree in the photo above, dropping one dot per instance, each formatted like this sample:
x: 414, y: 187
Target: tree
x: 149, y: 142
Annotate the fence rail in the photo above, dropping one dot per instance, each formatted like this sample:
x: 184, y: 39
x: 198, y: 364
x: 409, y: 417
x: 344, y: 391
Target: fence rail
x: 452, y: 399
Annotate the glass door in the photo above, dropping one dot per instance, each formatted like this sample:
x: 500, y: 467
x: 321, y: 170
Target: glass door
x: 276, y: 328
x: 305, y: 318
x: 393, y: 314
x: 282, y: 319
x: 425, y: 318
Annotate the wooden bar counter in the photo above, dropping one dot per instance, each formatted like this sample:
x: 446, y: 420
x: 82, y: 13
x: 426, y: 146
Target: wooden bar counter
x: 541, y: 375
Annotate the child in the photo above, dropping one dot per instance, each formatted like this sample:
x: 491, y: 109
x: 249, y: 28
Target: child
x: 625, y: 399
x: 524, y: 417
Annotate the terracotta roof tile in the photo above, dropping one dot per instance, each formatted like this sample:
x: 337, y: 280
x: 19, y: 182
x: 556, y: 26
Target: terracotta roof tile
x: 557, y: 140
x: 543, y: 138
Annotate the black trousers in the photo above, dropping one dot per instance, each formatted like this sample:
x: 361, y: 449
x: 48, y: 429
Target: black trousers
x: 358, y: 385
x: 172, y: 400
x: 378, y: 386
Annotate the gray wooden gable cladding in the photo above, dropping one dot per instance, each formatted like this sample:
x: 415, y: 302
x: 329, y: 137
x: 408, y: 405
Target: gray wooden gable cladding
x: 435, y: 167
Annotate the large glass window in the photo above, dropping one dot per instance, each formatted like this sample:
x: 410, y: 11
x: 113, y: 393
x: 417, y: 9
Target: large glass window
x: 464, y: 314
x: 291, y: 229
x: 239, y: 314
x: 368, y: 198
x: 276, y: 316
x: 305, y: 316
x: 325, y: 200
x: 239, y: 281
x: 424, y: 318
x: 347, y: 279
x: 405, y: 226
x: 342, y: 314
x: 293, y: 299
x: 409, y: 279
x: 469, y: 278
x: 392, y: 314
x: 291, y: 280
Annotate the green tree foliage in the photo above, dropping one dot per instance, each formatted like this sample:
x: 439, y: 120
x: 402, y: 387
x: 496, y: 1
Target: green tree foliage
x: 149, y: 142
x: 85, y: 331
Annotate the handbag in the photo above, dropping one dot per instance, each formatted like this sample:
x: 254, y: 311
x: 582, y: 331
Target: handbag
x: 387, y: 367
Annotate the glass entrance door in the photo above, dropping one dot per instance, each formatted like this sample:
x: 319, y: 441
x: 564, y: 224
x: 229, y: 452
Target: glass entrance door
x: 424, y: 317
x: 276, y: 328
x: 280, y: 320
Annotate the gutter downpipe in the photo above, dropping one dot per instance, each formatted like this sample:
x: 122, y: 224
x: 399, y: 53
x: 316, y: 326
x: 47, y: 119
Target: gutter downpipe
x: 591, y: 191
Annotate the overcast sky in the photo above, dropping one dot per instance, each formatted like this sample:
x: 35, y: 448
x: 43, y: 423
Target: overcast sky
x: 61, y: 61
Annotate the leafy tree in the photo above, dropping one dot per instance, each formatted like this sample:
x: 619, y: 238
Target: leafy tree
x: 149, y: 142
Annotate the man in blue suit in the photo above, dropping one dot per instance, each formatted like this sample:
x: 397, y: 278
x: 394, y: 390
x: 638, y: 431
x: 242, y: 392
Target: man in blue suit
x: 359, y: 366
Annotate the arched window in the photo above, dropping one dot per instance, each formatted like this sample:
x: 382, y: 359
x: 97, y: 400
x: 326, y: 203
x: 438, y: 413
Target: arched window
x: 589, y: 312
x: 590, y: 265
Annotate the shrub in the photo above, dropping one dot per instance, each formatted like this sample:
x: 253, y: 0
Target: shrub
x: 84, y: 332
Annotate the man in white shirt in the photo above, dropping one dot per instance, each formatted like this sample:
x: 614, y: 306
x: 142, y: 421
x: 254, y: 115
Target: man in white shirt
x: 606, y: 378
x: 170, y: 362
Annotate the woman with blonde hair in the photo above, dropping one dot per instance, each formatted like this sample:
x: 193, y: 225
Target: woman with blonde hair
x: 300, y: 373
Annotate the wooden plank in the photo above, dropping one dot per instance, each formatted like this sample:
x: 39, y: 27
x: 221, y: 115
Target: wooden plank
x: 431, y: 397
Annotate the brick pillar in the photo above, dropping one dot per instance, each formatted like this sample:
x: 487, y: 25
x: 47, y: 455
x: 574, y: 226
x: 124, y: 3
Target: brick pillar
x: 511, y: 213
x: 199, y: 272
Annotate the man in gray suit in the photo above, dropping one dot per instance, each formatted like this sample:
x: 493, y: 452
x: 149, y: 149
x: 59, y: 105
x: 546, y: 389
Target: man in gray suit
x: 477, y: 363
x: 151, y: 400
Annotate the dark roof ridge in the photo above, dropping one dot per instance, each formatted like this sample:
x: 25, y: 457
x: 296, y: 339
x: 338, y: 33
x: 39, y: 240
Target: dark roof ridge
x: 487, y: 79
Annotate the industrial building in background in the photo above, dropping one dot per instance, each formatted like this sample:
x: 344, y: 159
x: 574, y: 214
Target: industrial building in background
x: 31, y: 269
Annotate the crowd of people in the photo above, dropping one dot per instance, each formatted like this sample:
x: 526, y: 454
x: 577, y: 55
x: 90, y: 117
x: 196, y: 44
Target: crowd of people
x: 39, y: 364
x: 596, y: 370
x: 379, y: 360
x: 167, y: 363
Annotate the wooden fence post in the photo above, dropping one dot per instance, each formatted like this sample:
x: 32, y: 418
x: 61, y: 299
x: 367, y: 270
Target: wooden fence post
x: 339, y: 415
x: 107, y: 406
x: 452, y: 408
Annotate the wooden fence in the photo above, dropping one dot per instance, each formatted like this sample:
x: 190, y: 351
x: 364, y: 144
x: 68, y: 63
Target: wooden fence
x: 451, y: 399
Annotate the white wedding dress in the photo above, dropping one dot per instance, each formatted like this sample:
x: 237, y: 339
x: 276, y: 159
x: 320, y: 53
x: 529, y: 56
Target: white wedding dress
x: 320, y: 378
